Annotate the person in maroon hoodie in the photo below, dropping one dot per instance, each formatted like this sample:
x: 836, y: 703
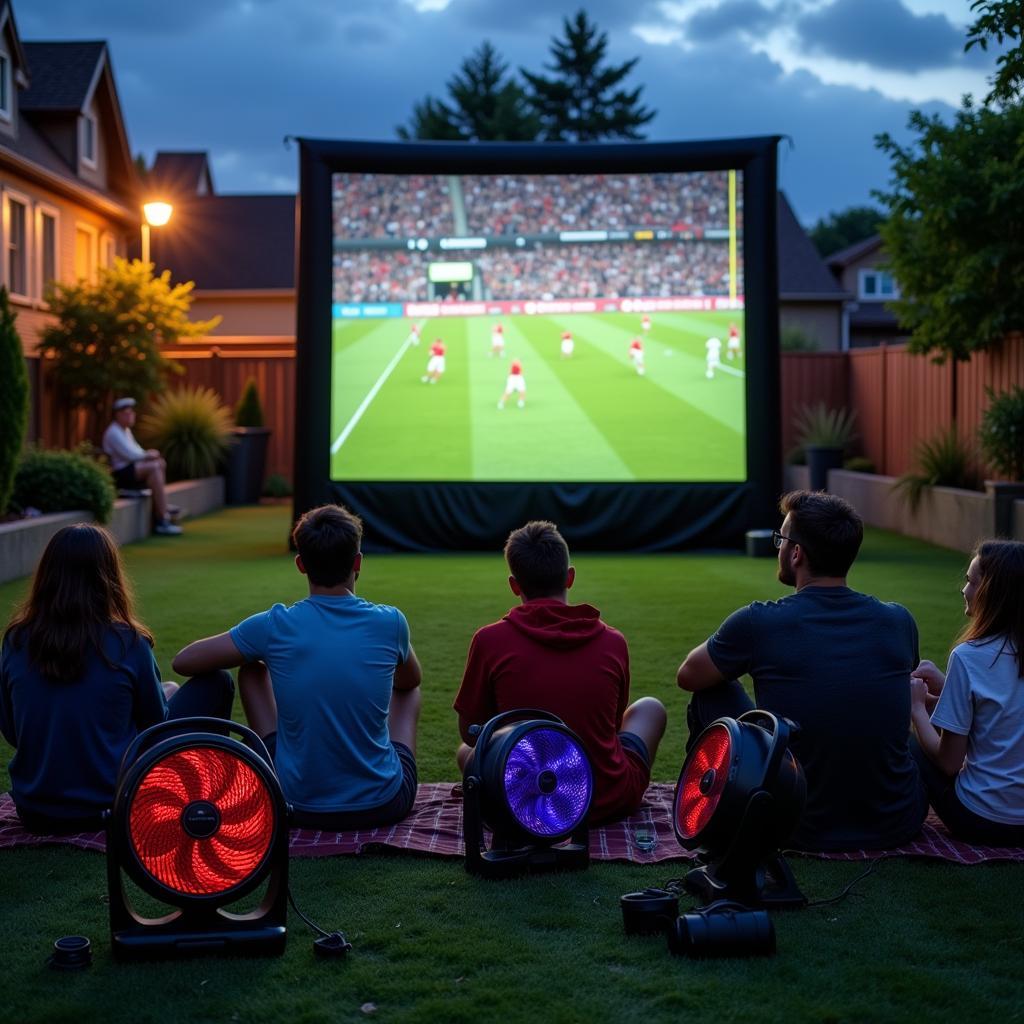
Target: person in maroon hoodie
x: 557, y: 657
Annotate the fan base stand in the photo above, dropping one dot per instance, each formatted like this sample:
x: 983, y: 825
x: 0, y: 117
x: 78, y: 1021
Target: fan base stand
x: 769, y: 884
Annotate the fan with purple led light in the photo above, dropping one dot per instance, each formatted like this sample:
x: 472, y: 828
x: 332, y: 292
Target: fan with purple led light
x: 530, y: 782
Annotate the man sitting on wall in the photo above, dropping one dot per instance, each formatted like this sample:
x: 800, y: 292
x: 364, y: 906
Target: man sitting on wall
x: 838, y: 664
x: 557, y: 657
x: 134, y: 466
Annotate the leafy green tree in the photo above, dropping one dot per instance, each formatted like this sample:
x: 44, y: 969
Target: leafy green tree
x: 13, y: 399
x: 1001, y: 21
x: 582, y: 102
x: 486, y: 105
x: 108, y: 336
x: 838, y: 230
x: 954, y: 229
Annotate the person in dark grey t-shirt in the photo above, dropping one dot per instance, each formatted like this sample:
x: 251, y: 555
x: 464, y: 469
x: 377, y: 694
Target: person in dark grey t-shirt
x: 838, y: 664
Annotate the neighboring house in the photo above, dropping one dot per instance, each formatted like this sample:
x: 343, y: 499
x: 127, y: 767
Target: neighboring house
x: 859, y: 269
x: 67, y: 181
x: 238, y: 249
x: 810, y: 299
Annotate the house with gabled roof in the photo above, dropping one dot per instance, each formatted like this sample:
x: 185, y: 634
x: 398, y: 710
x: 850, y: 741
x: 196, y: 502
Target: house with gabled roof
x: 68, y: 186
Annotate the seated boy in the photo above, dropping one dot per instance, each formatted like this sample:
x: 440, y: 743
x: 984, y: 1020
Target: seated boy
x: 330, y: 683
x: 557, y: 657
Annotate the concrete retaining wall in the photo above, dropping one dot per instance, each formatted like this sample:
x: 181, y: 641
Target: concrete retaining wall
x: 22, y: 542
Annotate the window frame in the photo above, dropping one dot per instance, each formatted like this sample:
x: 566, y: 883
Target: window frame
x: 11, y: 195
x: 877, y: 275
x: 46, y: 210
x: 89, y: 119
x: 6, y: 86
x: 94, y: 236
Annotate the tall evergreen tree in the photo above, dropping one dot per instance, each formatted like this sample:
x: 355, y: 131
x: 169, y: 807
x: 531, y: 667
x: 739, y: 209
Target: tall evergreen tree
x: 838, y: 230
x: 582, y: 102
x: 485, y: 105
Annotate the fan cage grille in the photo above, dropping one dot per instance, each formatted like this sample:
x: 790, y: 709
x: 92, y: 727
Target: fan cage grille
x: 695, y: 808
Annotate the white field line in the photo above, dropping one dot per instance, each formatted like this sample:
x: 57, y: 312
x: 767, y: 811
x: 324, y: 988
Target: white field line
x: 730, y: 369
x: 372, y: 394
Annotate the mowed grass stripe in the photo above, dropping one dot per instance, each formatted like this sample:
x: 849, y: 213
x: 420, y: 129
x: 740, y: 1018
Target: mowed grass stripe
x: 697, y: 330
x: 683, y: 372
x: 552, y: 438
x: 658, y: 434
x: 412, y: 430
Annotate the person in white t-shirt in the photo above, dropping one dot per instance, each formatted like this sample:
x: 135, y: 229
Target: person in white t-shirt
x: 134, y: 466
x: 970, y: 721
x: 498, y: 340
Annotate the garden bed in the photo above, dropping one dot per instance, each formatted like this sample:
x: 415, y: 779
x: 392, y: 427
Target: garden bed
x: 23, y: 541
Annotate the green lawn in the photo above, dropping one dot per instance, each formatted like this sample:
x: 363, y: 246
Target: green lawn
x: 589, y: 417
x: 915, y: 940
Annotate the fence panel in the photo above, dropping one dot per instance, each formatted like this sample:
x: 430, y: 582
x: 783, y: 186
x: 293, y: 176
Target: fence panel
x: 807, y: 378
x: 867, y: 397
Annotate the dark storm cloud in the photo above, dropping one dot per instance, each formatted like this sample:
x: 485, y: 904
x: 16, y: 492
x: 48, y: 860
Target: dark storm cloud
x: 710, y: 23
x: 882, y: 33
x: 529, y: 16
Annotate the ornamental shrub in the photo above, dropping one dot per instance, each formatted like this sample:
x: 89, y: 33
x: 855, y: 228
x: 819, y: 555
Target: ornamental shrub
x: 191, y: 428
x: 61, y: 481
x: 1002, y: 432
x: 249, y: 411
x: 13, y: 399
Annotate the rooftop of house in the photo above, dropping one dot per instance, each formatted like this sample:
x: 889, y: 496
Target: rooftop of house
x: 803, y: 275
x: 839, y: 261
x: 60, y: 74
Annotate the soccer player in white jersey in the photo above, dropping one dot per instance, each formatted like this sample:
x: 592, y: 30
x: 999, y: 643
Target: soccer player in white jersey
x: 645, y: 325
x: 435, y: 365
x: 498, y: 340
x: 732, y: 346
x: 714, y: 356
x: 567, y: 344
x: 515, y: 383
x: 636, y: 354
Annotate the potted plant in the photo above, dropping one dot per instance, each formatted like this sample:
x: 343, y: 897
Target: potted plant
x: 247, y: 460
x: 1002, y: 441
x: 824, y: 434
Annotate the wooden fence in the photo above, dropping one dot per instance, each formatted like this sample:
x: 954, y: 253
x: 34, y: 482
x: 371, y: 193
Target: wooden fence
x: 900, y: 398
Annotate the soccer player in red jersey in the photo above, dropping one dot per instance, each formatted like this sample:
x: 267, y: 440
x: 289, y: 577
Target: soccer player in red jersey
x: 645, y: 324
x: 414, y: 334
x: 567, y: 344
x: 435, y: 365
x: 515, y: 382
x: 498, y: 340
x: 732, y: 346
x: 636, y: 354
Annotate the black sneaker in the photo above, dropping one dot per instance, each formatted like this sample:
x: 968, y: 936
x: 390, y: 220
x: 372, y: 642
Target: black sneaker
x: 166, y: 528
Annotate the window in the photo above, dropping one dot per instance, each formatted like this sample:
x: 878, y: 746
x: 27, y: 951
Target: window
x: 5, y: 86
x: 88, y: 140
x: 85, y: 252
x: 46, y: 246
x: 108, y: 250
x: 16, y: 263
x: 877, y: 286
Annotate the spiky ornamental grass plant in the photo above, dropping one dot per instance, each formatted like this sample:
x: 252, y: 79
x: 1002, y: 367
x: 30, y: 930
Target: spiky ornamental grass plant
x: 13, y: 399
x: 943, y: 460
x: 191, y: 428
x: 818, y: 425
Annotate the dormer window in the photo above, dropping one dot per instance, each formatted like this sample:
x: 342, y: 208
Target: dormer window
x: 876, y: 286
x: 5, y: 86
x: 88, y: 139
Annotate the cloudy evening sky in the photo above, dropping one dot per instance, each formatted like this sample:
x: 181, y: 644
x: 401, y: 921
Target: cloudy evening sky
x: 234, y: 77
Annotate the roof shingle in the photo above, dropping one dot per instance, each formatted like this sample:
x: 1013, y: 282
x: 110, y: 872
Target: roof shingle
x: 60, y: 75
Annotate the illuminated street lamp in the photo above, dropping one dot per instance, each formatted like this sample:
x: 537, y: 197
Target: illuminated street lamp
x: 157, y: 214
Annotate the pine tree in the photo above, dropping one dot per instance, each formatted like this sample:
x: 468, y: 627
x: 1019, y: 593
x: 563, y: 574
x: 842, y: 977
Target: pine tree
x: 13, y: 399
x: 582, y: 102
x: 486, y: 105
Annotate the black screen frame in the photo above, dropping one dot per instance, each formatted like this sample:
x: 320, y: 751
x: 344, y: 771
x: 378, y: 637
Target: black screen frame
x: 609, y: 516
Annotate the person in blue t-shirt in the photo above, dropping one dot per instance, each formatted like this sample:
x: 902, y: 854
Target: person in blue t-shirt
x: 838, y: 664
x: 331, y: 683
x: 78, y: 682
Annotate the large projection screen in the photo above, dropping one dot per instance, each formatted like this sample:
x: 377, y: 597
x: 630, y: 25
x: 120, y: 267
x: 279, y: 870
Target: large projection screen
x: 492, y: 333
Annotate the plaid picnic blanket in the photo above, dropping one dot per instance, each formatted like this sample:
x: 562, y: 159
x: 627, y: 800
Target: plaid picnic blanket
x: 435, y: 827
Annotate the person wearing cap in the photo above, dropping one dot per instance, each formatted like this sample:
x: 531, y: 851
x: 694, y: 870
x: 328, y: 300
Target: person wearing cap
x: 134, y: 466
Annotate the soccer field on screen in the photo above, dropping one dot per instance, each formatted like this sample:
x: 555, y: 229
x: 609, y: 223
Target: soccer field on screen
x: 590, y: 417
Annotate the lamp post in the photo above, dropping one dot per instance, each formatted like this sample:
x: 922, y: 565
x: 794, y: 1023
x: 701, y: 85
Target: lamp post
x: 156, y: 214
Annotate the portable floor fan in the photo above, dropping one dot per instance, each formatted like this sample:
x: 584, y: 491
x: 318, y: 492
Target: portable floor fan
x: 740, y: 795
x: 529, y: 780
x: 199, y: 821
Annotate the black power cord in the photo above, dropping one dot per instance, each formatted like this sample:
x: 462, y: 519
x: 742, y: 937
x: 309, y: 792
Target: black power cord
x: 329, y: 944
x: 842, y: 894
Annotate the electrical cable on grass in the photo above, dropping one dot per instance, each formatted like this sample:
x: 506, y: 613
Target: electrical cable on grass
x: 329, y: 943
x: 846, y: 892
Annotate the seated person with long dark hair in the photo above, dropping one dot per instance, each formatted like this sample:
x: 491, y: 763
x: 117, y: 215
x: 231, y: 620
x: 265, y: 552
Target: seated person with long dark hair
x: 78, y: 682
x: 971, y: 749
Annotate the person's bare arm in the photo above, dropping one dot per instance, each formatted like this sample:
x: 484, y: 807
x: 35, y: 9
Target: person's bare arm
x: 943, y: 748
x: 464, y: 725
x: 698, y: 671
x: 409, y: 674
x: 208, y: 655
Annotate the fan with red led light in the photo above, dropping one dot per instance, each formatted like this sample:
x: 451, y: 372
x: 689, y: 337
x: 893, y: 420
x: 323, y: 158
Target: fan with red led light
x: 740, y: 795
x: 199, y: 821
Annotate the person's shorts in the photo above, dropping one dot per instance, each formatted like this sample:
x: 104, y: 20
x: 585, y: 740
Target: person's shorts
x: 635, y: 748
x: 436, y: 364
x: 516, y: 383
x: 125, y: 478
x: 567, y: 347
x: 387, y: 814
